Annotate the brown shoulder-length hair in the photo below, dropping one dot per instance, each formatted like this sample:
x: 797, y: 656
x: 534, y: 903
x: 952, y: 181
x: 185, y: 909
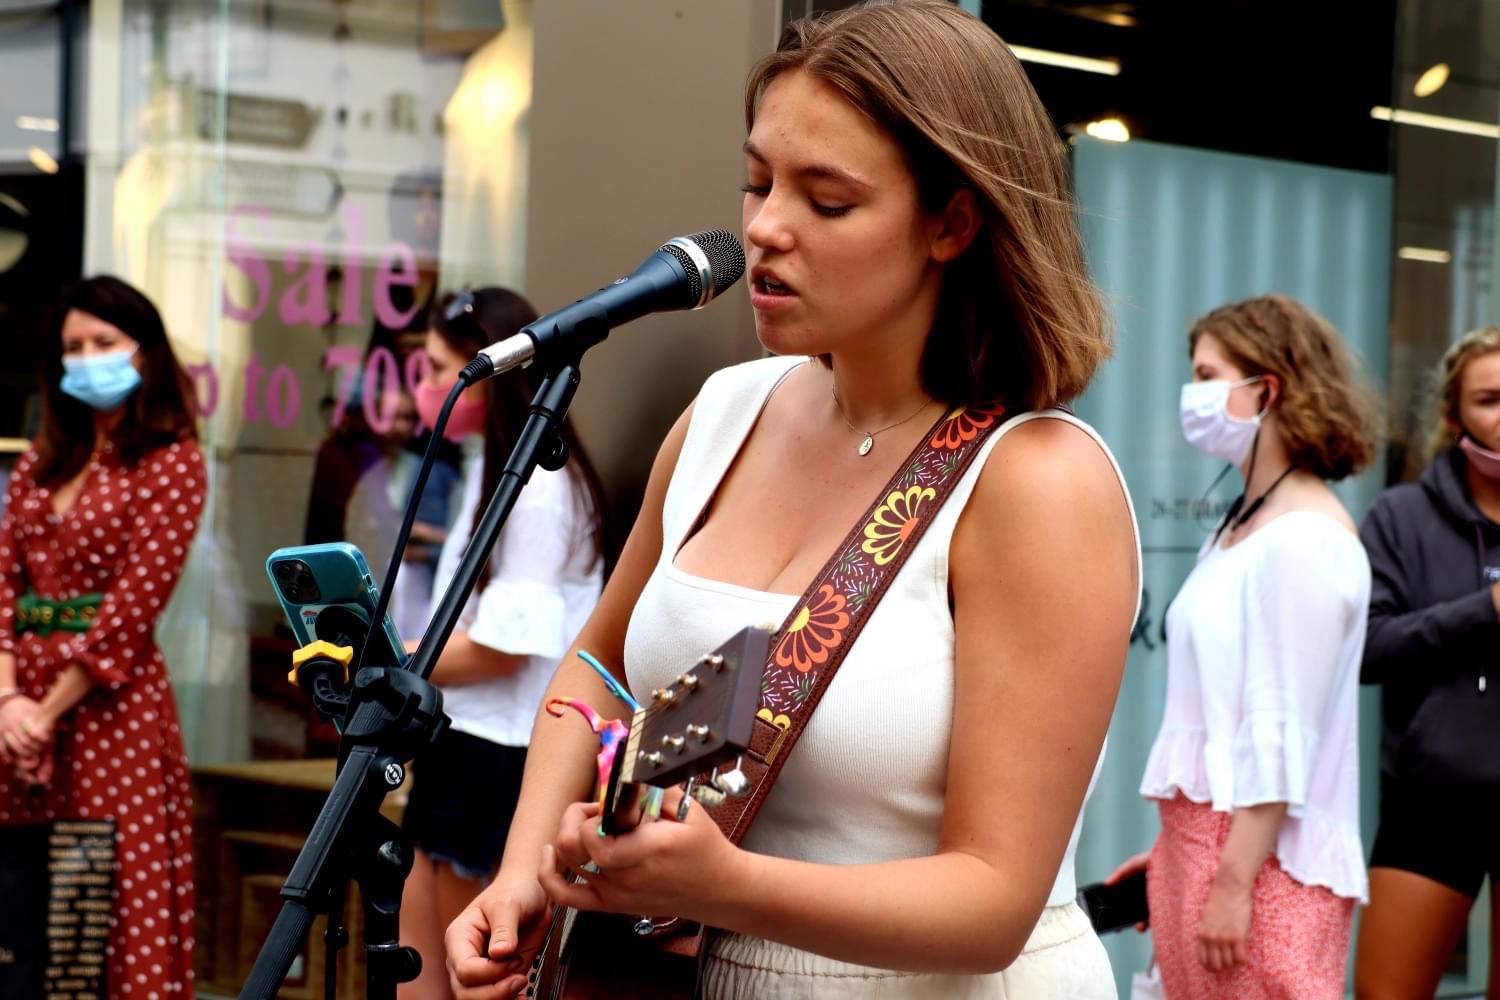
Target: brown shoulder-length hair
x: 1445, y: 425
x: 1019, y: 319
x: 484, y: 316
x: 160, y: 412
x: 1326, y: 416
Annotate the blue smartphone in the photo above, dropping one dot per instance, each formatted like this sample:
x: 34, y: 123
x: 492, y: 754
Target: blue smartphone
x: 326, y: 592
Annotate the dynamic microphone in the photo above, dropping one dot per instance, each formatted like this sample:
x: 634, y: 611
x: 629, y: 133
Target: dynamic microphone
x: 687, y: 272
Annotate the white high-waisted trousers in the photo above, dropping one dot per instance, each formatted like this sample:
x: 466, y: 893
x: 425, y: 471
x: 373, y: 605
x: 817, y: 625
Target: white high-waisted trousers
x: 1062, y: 960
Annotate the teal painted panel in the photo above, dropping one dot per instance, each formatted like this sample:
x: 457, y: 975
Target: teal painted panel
x: 1171, y: 233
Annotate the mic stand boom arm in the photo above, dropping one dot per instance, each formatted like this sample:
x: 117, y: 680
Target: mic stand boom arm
x: 395, y: 713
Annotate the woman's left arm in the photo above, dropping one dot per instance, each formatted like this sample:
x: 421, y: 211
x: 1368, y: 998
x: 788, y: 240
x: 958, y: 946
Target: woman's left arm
x: 1300, y: 609
x: 1225, y: 925
x: 1043, y: 573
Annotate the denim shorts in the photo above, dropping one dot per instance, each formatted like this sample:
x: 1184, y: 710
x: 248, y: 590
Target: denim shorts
x: 463, y: 794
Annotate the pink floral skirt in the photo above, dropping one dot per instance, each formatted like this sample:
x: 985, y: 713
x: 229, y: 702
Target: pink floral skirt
x: 1299, y: 934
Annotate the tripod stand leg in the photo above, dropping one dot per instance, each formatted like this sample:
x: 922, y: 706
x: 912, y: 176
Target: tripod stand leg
x: 381, y: 872
x: 335, y: 939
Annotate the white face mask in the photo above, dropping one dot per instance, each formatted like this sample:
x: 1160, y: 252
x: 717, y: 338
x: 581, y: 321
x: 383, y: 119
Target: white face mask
x: 1208, y: 425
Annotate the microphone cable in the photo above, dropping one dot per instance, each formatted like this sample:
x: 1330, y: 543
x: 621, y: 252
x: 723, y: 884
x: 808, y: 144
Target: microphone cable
x: 472, y: 372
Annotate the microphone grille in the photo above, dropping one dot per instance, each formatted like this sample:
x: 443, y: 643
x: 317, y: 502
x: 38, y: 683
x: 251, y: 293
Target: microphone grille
x: 690, y: 268
x: 726, y: 258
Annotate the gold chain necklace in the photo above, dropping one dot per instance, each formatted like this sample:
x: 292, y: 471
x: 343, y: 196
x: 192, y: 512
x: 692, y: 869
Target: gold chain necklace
x: 869, y: 439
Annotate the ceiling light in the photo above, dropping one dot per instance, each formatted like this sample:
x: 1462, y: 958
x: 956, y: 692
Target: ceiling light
x: 1046, y: 57
x: 1463, y: 125
x: 1427, y: 254
x: 1432, y: 81
x: 1108, y: 129
x: 34, y: 124
x: 42, y: 160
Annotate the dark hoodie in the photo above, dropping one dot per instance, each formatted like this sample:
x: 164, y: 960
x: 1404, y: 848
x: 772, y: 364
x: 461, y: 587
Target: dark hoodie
x: 1433, y: 633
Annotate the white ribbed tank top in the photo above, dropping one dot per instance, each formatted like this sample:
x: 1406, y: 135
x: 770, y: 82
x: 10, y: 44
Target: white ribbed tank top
x: 865, y: 782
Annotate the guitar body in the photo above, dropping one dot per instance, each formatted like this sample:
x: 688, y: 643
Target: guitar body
x: 597, y: 956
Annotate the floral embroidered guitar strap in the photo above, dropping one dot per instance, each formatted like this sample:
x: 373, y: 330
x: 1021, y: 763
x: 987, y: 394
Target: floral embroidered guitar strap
x: 808, y: 648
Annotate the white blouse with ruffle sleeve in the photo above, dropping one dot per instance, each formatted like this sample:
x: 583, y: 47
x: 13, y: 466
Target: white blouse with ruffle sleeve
x: 1264, y: 643
x: 545, y: 578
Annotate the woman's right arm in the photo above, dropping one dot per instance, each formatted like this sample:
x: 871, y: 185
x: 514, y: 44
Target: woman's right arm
x: 1401, y: 639
x: 485, y: 954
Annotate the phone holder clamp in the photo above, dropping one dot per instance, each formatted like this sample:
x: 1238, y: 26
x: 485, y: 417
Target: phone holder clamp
x: 321, y: 670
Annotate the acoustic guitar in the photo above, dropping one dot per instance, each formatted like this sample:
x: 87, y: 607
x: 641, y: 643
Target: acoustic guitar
x: 704, y: 719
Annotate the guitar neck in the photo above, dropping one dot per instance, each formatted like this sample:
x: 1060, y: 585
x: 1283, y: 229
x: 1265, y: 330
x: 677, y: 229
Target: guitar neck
x: 627, y: 804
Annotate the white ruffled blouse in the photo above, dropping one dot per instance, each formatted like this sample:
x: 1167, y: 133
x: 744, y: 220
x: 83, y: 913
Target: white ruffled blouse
x: 545, y: 578
x: 1264, y: 642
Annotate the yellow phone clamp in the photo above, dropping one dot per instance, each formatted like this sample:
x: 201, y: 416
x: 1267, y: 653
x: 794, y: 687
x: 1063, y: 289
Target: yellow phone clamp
x: 321, y: 649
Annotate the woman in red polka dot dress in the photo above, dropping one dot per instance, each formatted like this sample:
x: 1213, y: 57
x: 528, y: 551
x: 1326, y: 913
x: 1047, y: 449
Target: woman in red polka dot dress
x: 98, y: 518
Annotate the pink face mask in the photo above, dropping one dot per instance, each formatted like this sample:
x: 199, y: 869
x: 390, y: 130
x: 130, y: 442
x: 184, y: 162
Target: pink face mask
x: 1484, y: 461
x: 467, y: 416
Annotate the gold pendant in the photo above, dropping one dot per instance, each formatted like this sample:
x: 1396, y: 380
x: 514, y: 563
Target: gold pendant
x: 866, y: 445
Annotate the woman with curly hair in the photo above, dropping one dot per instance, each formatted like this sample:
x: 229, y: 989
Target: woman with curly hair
x: 1253, y: 881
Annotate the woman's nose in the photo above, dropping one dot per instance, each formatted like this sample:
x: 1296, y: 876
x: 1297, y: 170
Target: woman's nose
x: 766, y: 225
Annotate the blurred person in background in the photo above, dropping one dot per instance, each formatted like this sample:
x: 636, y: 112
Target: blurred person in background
x: 1254, y: 879
x: 541, y: 583
x: 1433, y: 636
x: 915, y: 268
x: 99, y: 516
x: 361, y: 484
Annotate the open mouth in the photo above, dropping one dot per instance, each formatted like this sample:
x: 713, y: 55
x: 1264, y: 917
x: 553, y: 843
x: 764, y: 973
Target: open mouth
x: 770, y: 286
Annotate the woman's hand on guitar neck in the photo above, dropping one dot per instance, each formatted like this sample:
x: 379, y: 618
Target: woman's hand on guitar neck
x: 664, y: 868
x: 485, y: 962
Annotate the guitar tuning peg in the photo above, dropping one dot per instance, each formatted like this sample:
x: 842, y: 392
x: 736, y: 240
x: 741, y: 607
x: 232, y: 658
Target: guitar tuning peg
x: 732, y: 783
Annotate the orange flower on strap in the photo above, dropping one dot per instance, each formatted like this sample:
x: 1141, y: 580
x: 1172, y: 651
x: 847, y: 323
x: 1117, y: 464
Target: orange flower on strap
x: 819, y: 627
x: 962, y: 426
x: 894, y: 522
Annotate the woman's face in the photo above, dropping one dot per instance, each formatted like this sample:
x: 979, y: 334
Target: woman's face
x: 838, y: 248
x: 1211, y: 363
x: 85, y: 336
x: 1479, y: 400
x: 445, y: 362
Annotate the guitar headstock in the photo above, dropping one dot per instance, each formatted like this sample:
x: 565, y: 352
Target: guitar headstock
x: 702, y: 719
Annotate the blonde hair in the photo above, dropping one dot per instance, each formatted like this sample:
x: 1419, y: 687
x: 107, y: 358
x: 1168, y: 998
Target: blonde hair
x: 1449, y: 385
x: 1020, y: 319
x: 1327, y: 418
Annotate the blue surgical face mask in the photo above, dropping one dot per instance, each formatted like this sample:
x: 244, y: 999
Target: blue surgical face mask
x: 103, y: 381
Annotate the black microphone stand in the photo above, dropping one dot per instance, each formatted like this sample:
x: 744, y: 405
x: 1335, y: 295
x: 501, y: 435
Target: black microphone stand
x: 393, y: 714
